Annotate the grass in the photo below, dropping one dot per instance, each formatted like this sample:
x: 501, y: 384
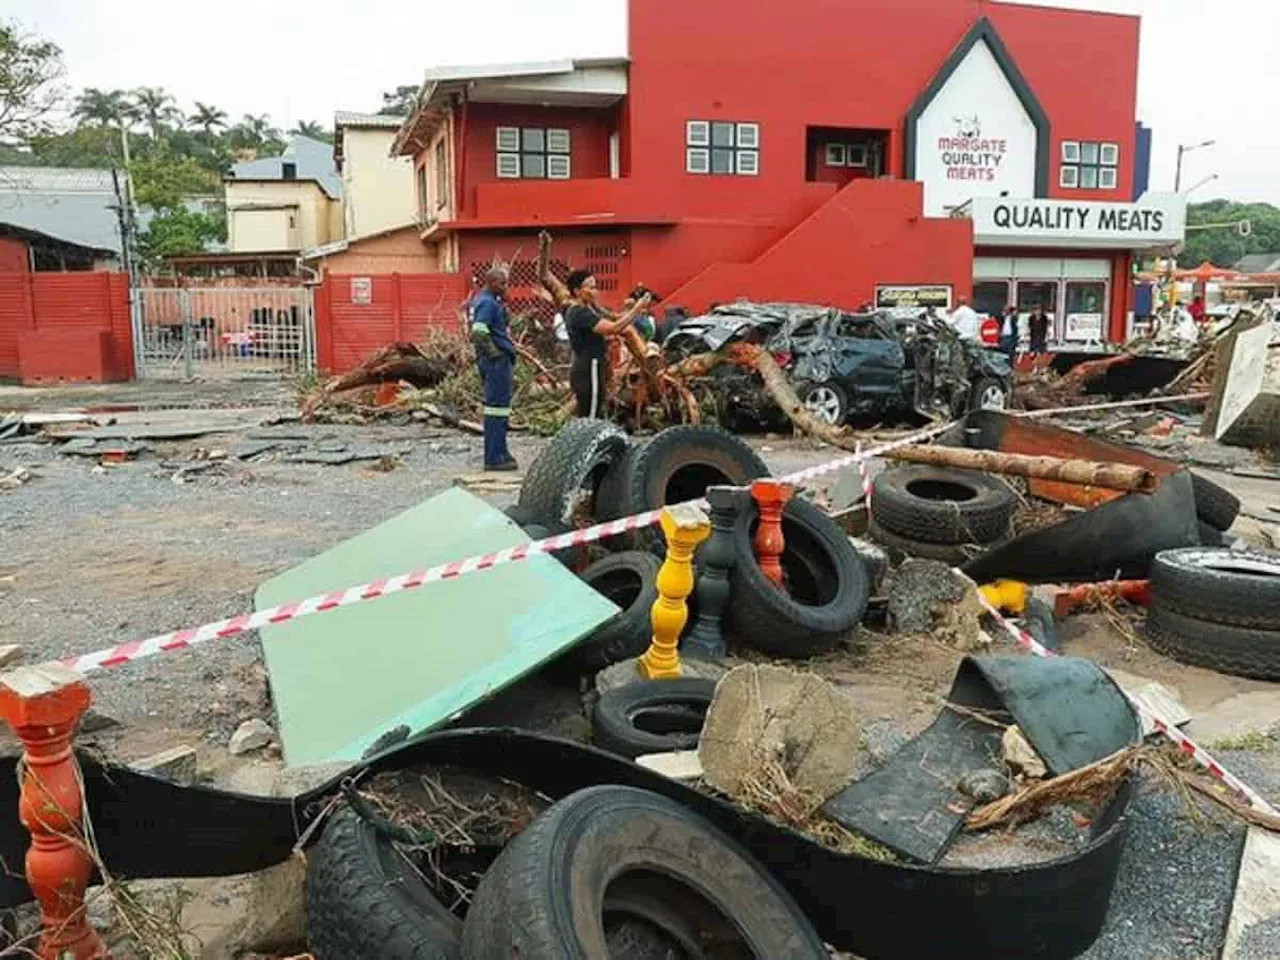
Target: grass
x: 1253, y: 742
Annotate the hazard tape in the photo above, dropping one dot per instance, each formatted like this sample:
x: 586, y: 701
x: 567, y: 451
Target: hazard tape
x: 294, y: 610
x: 1184, y: 743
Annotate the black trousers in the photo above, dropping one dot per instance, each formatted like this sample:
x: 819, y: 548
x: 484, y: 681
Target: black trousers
x: 587, y: 378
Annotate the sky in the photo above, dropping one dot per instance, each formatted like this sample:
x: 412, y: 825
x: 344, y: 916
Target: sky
x: 1209, y: 71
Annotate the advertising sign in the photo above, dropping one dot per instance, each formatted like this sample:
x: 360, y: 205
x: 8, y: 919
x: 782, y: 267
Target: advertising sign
x: 1083, y: 326
x: 924, y: 296
x: 362, y: 290
x: 1157, y: 220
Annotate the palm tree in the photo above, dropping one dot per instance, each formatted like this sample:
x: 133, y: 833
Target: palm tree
x: 259, y: 128
x: 102, y: 107
x: 207, y: 118
x: 156, y: 105
x: 309, y: 128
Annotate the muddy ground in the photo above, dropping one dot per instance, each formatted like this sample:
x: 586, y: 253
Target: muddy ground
x: 91, y: 556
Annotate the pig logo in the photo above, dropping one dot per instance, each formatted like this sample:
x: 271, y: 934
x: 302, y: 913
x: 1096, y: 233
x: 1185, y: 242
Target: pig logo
x: 968, y: 127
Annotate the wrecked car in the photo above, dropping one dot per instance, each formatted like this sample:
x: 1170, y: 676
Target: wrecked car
x: 847, y: 365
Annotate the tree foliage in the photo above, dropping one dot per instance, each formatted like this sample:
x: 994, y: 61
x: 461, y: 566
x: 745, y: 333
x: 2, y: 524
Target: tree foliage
x: 1223, y: 246
x: 400, y: 101
x: 30, y: 71
x: 175, y: 231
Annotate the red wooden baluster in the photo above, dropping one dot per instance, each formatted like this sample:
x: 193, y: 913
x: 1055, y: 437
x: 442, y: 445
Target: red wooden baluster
x: 771, y: 497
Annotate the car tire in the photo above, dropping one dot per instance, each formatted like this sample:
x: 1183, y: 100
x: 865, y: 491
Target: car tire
x: 580, y: 454
x: 1215, y: 505
x: 828, y: 586
x: 1230, y: 587
x: 537, y: 531
x: 364, y: 902
x: 652, y: 716
x: 1241, y: 651
x: 545, y: 896
x: 826, y: 401
x: 989, y: 394
x: 612, y: 497
x: 935, y: 505
x: 629, y: 579
x: 902, y: 548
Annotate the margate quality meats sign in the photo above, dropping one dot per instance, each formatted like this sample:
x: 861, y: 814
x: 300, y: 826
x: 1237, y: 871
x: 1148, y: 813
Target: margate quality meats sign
x: 1157, y: 221
x: 968, y: 155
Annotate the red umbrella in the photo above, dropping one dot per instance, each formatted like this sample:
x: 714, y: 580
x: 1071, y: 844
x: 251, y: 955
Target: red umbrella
x: 1206, y: 272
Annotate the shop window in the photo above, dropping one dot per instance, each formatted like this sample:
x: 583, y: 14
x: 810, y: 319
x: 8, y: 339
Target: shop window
x: 991, y: 297
x: 1089, y: 165
x: 722, y: 147
x: 534, y: 153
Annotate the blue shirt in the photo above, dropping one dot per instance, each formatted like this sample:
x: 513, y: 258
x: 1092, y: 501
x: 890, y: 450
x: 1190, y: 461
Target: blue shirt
x: 488, y: 310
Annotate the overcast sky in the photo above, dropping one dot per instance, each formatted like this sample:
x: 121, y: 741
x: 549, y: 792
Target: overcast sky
x: 1209, y: 70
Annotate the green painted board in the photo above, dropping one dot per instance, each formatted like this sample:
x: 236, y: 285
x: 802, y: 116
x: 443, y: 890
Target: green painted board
x: 341, y: 679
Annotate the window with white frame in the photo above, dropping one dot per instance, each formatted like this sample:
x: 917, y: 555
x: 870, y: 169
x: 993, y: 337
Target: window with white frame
x: 845, y: 155
x: 1089, y: 165
x: 722, y: 147
x: 534, y: 153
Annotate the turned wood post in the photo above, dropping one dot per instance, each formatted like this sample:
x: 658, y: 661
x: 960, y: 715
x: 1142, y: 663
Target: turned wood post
x: 43, y: 704
x: 771, y: 497
x: 685, y: 527
x: 706, y: 639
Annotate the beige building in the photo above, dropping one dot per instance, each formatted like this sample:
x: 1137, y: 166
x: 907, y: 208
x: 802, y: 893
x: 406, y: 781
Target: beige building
x: 377, y: 188
x: 285, y: 203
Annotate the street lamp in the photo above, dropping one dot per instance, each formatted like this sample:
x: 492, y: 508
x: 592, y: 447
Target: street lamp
x: 1184, y: 148
x: 1209, y: 179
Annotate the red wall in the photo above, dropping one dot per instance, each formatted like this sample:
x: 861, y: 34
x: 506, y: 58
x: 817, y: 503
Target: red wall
x: 13, y: 256
x: 65, y: 326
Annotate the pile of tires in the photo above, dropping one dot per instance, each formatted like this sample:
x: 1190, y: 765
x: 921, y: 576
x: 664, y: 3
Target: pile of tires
x: 1216, y: 510
x: 1217, y: 608
x: 940, y: 514
x: 572, y: 464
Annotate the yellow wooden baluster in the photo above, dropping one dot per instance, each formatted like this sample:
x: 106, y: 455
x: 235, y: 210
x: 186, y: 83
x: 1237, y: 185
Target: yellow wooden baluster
x: 685, y: 527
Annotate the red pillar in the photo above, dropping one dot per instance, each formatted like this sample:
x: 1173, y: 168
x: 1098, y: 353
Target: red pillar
x: 43, y: 705
x: 1121, y: 280
x: 771, y: 497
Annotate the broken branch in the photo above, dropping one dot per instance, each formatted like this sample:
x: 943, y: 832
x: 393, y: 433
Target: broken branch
x: 1087, y: 473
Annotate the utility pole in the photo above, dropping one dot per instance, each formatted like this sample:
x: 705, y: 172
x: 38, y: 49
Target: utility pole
x: 1185, y: 149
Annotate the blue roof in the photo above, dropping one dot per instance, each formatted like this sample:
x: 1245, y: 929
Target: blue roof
x: 66, y: 203
x: 313, y: 160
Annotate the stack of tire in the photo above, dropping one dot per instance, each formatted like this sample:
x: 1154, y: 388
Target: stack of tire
x: 1216, y: 510
x: 1217, y: 608
x: 938, y: 514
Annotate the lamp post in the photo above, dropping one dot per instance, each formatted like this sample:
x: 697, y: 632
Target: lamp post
x: 1184, y: 149
x: 1209, y: 179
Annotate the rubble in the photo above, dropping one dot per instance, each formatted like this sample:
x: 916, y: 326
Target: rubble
x: 177, y: 764
x: 251, y: 735
x: 1020, y: 756
x: 927, y: 596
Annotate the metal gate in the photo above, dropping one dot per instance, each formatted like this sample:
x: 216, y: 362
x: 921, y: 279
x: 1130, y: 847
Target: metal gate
x: 227, y: 332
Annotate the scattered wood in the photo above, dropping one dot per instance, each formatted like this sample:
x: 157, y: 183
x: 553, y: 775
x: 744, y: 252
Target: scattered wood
x: 391, y: 364
x: 1092, y: 783
x: 452, y: 419
x: 1088, y: 473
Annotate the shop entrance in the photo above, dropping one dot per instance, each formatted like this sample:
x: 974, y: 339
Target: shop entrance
x: 1075, y: 293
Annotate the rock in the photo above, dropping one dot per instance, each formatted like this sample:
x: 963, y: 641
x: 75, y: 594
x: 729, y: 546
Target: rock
x: 177, y: 765
x: 680, y: 765
x: 926, y: 596
x: 276, y: 919
x: 251, y: 735
x: 765, y: 713
x: 93, y: 721
x: 10, y: 654
x: 984, y: 786
x: 1021, y: 756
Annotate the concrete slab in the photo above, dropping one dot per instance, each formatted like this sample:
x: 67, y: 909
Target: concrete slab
x: 1254, y: 930
x: 1254, y: 712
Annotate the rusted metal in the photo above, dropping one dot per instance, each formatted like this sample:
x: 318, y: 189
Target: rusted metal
x: 1086, y: 473
x: 1066, y: 602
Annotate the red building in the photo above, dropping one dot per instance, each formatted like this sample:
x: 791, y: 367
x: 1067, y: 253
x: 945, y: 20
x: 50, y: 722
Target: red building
x: 826, y: 152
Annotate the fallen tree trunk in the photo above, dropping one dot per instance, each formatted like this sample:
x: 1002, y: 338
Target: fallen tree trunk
x: 452, y: 419
x: 1085, y: 473
x: 391, y: 364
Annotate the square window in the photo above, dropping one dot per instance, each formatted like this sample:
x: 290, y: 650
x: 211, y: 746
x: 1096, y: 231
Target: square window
x: 748, y: 162
x: 1110, y: 154
x: 697, y: 133
x: 557, y: 167
x: 1089, y: 178
x: 749, y: 136
x: 1069, y: 177
x: 1089, y: 153
x: 857, y: 154
x: 509, y: 166
x: 1070, y: 151
x: 697, y: 160
x: 558, y: 141
x: 1107, y: 178
x: 533, y: 140
x: 722, y: 161
x: 836, y: 155
x: 508, y: 139
x: 722, y: 134
x: 533, y: 166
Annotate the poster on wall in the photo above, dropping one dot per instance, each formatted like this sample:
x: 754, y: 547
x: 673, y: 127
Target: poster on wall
x: 1083, y: 326
x: 914, y: 297
x: 362, y: 290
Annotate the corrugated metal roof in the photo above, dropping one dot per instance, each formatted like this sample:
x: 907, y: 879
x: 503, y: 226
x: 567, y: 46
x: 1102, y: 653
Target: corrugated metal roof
x: 1259, y: 263
x: 76, y: 205
x: 349, y: 118
x: 312, y: 158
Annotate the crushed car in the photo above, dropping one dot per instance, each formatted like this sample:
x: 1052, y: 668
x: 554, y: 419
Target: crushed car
x: 845, y: 365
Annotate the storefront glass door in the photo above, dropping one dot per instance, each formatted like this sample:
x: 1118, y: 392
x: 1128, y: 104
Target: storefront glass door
x: 991, y: 297
x: 1043, y: 295
x: 1086, y: 310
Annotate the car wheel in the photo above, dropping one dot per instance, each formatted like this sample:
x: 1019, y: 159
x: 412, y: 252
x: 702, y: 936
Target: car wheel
x: 826, y: 401
x: 990, y: 394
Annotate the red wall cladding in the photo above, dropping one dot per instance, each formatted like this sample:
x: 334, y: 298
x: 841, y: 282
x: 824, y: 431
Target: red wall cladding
x: 356, y: 316
x: 67, y: 326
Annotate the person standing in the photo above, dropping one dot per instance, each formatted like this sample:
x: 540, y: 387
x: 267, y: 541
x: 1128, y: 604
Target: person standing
x: 588, y: 326
x: 965, y: 320
x: 1009, y: 332
x: 1038, y: 329
x: 495, y: 357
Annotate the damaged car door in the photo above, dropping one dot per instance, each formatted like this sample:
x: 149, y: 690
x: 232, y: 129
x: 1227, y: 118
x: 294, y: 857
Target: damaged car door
x: 869, y: 361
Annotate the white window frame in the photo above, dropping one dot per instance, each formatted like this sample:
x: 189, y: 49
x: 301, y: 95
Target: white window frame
x: 751, y: 166
x: 697, y: 133
x: 697, y: 160
x: 1105, y: 171
x: 747, y: 136
x: 836, y: 155
x: 559, y: 135
x: 513, y: 166
x: 512, y: 155
x: 1109, y: 155
x: 1108, y: 178
x: 744, y: 137
x: 1070, y: 151
x: 512, y: 136
x: 558, y: 166
x: 1069, y: 177
x: 856, y: 154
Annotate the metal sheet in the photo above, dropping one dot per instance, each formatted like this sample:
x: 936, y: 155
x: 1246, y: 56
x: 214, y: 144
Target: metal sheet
x: 419, y: 657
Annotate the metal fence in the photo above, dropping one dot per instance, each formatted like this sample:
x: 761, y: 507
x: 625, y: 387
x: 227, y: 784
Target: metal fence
x: 212, y: 332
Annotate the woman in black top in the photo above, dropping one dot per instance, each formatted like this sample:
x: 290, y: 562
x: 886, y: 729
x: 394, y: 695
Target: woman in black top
x: 588, y: 325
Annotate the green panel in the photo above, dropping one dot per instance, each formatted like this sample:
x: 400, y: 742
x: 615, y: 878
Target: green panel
x: 341, y: 679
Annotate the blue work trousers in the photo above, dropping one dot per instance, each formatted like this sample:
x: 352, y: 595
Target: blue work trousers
x: 496, y: 374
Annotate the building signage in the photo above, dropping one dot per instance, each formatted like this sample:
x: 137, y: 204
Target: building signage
x: 1083, y: 326
x: 1158, y: 220
x: 914, y: 296
x: 362, y: 290
x: 970, y: 156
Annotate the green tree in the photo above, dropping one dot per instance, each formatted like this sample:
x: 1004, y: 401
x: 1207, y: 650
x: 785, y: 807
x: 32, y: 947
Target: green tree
x: 1223, y: 246
x: 84, y: 146
x: 400, y: 102
x: 103, y: 107
x: 177, y: 231
x: 165, y: 182
x: 309, y: 128
x: 208, y: 118
x: 30, y: 69
x: 157, y: 107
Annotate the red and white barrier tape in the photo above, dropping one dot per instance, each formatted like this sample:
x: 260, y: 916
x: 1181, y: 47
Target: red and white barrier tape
x: 1188, y: 746
x: 294, y: 610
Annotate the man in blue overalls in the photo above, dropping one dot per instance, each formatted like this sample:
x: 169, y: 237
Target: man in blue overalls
x: 496, y: 356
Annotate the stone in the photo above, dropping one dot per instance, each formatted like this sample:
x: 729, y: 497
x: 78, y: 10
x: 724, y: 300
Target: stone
x: 1020, y: 756
x: 251, y: 735
x: 763, y: 713
x: 177, y: 765
x: 276, y: 919
x: 927, y: 596
x: 10, y: 654
x: 682, y: 765
x: 984, y: 786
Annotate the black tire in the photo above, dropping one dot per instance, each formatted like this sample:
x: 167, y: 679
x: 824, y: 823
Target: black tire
x: 900, y: 548
x: 679, y: 464
x: 1211, y: 536
x: 1231, y: 587
x: 577, y: 456
x: 363, y: 902
x: 613, y: 496
x: 545, y: 896
x: 537, y: 531
x: 1242, y: 651
x: 827, y: 585
x: 652, y: 716
x: 982, y: 391
x: 629, y: 580
x: 934, y: 505
x: 807, y: 389
x: 1215, y: 505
